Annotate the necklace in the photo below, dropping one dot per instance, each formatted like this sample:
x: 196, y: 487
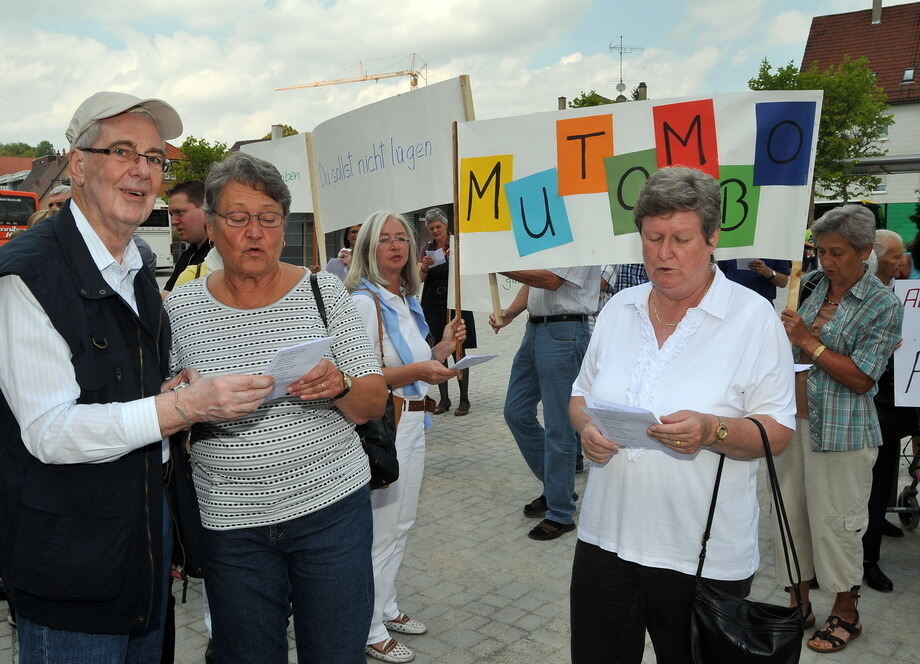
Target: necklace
x: 833, y: 304
x: 658, y: 315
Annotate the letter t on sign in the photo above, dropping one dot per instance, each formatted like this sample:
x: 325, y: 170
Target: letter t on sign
x: 582, y: 144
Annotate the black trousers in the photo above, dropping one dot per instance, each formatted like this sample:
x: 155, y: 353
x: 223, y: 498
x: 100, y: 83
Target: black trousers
x: 613, y: 602
x: 895, y: 423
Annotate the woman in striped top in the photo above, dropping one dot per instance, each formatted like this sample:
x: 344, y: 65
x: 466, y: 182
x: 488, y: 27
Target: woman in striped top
x: 283, y: 491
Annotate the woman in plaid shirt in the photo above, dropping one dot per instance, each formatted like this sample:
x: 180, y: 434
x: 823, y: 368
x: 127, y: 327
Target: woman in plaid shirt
x: 847, y: 326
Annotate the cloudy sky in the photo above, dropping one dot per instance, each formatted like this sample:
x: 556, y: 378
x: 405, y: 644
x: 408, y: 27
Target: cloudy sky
x: 219, y: 62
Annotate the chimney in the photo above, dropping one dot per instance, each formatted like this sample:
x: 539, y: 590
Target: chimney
x: 277, y: 131
x: 561, y: 101
x: 643, y: 91
x: 876, y: 12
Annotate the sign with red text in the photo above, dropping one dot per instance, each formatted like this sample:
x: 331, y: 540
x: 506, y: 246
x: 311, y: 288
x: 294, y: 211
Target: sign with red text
x: 907, y: 355
x: 558, y: 189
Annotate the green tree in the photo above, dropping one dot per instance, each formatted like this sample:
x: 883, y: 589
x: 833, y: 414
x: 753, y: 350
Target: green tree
x: 44, y: 148
x: 854, y: 119
x: 16, y: 150
x: 589, y: 99
x: 286, y: 130
x: 199, y: 155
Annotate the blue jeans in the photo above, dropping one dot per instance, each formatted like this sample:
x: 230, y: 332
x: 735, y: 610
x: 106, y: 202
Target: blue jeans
x: 544, y: 369
x: 43, y: 645
x: 319, y: 563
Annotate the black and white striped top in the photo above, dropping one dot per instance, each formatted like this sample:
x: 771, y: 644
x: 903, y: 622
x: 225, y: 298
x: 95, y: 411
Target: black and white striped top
x: 289, y: 457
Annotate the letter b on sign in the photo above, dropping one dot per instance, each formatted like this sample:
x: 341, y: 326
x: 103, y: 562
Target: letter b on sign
x: 784, y: 136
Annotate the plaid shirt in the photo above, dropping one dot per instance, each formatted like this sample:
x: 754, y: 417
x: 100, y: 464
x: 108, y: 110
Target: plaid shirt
x: 865, y: 328
x: 629, y: 275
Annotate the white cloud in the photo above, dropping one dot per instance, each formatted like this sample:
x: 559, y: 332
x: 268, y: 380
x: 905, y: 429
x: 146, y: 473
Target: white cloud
x: 789, y: 27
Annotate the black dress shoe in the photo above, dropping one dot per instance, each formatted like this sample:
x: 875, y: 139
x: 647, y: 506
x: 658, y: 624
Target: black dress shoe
x: 891, y: 530
x: 548, y: 529
x: 876, y: 579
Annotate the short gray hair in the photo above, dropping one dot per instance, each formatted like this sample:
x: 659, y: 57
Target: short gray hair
x: 854, y: 222
x: 883, y: 239
x: 58, y: 190
x: 681, y: 189
x: 364, y: 255
x: 251, y: 171
x: 435, y: 214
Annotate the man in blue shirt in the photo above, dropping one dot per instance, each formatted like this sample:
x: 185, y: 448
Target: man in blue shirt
x: 762, y: 275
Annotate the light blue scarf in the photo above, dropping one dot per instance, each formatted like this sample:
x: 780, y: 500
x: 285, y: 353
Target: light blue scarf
x: 391, y: 325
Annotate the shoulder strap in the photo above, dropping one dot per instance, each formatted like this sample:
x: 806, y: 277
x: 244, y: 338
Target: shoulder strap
x: 379, y: 320
x: 318, y: 298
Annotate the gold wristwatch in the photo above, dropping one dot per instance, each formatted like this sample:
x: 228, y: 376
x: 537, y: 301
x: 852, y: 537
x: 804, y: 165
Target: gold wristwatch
x: 721, y: 433
x: 346, y: 381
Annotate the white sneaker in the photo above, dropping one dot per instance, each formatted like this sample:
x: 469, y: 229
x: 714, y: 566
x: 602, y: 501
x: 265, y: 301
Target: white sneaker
x: 393, y: 651
x: 405, y: 625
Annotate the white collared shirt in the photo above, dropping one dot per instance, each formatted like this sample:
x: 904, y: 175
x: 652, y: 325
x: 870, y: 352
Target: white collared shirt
x: 728, y: 356
x: 38, y: 380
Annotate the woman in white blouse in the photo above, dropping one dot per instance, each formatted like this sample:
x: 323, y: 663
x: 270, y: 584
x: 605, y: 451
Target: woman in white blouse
x: 384, y: 273
x: 702, y: 353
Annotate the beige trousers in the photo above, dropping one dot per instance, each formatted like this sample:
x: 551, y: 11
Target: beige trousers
x: 826, y: 496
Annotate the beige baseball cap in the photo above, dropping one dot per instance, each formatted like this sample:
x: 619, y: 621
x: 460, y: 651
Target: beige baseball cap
x: 104, y: 105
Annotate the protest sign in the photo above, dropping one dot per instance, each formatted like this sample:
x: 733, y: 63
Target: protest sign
x: 557, y: 189
x: 395, y: 154
x: 907, y: 356
x: 289, y: 156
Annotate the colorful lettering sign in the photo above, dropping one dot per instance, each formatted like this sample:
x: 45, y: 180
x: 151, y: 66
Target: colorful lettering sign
x: 582, y: 144
x: 685, y: 135
x: 626, y: 173
x: 483, y: 206
x: 784, y: 133
x: 538, y: 214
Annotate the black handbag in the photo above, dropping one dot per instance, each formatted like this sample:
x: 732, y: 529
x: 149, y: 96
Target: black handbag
x: 378, y: 437
x: 726, y: 628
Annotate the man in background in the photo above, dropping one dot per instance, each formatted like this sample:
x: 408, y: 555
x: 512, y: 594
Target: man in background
x: 185, y: 211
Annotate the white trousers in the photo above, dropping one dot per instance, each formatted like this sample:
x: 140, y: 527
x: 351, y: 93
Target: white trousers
x: 826, y: 495
x: 394, y: 514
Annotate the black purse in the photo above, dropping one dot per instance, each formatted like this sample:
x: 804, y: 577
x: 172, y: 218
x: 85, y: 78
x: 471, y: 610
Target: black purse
x: 726, y: 628
x: 378, y: 437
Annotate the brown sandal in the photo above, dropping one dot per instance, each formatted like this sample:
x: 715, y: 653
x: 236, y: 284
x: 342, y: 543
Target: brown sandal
x: 827, y: 634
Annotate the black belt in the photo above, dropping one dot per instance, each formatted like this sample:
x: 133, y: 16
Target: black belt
x: 559, y: 318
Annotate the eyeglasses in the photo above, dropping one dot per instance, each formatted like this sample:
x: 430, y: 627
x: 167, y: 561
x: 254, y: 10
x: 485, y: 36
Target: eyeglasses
x: 156, y: 162
x: 398, y: 241
x: 238, y: 219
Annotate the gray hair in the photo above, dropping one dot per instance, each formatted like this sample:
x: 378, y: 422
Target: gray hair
x: 251, y: 171
x: 854, y: 222
x: 364, y: 255
x: 60, y: 189
x: 435, y: 214
x: 883, y: 241
x: 681, y: 189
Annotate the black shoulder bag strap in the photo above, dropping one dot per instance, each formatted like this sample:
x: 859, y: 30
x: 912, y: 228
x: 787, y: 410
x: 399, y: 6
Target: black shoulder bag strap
x: 785, y: 532
x: 317, y: 296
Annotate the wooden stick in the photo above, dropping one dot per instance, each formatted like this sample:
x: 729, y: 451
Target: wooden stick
x: 319, y: 248
x: 795, y: 280
x: 455, y: 253
x: 496, y: 300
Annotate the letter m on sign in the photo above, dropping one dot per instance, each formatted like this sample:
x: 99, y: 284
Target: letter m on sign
x: 685, y: 135
x: 483, y: 202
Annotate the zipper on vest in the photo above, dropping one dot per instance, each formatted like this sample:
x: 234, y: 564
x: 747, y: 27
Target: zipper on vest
x: 153, y: 578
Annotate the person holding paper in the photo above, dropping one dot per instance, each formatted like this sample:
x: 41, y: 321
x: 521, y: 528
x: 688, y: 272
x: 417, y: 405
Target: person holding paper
x: 702, y: 353
x: 848, y: 325
x: 762, y: 276
x: 435, y: 304
x: 340, y: 264
x: 283, y: 492
x: 384, y: 281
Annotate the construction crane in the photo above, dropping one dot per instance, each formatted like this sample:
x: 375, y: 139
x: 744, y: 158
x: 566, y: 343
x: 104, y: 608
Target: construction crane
x: 418, y: 68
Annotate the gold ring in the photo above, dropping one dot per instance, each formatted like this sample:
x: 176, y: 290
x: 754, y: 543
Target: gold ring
x: 677, y: 443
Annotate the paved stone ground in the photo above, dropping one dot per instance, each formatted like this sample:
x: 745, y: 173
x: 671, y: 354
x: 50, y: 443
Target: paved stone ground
x: 491, y: 595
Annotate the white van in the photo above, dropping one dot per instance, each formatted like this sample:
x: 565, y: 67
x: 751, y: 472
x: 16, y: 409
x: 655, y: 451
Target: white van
x: 157, y: 231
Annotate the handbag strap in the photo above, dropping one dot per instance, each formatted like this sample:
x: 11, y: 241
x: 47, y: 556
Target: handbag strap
x: 318, y: 298
x: 785, y: 531
x: 379, y: 321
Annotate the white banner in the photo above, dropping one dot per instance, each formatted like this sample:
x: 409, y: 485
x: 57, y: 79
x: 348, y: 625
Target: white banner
x: 557, y: 189
x: 907, y: 356
x: 289, y: 156
x: 475, y: 292
x: 391, y: 155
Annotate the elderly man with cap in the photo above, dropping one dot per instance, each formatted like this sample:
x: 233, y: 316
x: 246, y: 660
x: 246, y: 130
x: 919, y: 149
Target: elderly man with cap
x: 85, y: 525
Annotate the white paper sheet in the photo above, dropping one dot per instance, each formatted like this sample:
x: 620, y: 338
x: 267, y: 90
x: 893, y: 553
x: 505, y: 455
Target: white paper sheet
x: 624, y: 425
x: 471, y: 361
x: 291, y: 363
x: 437, y: 256
x: 802, y: 367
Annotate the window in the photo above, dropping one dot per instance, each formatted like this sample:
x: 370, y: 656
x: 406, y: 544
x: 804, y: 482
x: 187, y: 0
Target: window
x: 880, y: 188
x: 908, y: 76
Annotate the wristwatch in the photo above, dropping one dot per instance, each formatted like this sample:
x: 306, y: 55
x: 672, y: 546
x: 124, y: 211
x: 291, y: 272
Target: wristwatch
x: 346, y: 381
x: 721, y: 434
x: 772, y: 276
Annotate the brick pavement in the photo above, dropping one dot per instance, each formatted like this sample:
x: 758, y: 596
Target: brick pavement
x: 491, y: 595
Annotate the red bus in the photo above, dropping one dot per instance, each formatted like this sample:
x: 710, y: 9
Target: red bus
x: 15, y: 209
